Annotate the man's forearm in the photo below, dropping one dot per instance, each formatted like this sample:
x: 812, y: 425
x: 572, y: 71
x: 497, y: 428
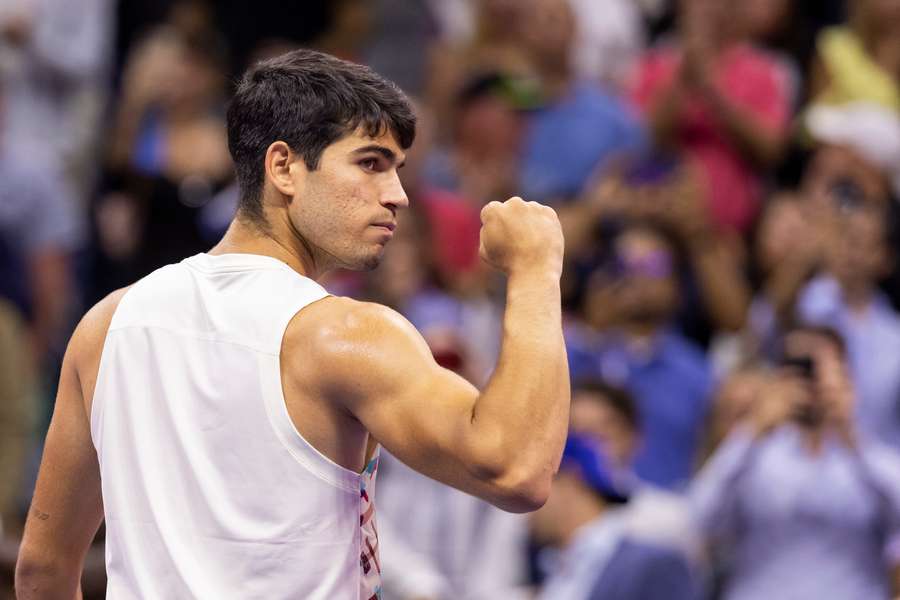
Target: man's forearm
x: 525, y: 406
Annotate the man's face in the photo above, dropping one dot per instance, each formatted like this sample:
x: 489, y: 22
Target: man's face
x: 595, y: 417
x: 346, y: 210
x: 638, y: 285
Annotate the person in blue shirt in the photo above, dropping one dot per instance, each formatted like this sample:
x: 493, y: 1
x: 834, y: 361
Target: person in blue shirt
x: 630, y: 340
x: 597, y: 557
x: 581, y: 125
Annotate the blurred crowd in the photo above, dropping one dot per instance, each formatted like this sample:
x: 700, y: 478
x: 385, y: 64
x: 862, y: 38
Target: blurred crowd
x: 727, y: 176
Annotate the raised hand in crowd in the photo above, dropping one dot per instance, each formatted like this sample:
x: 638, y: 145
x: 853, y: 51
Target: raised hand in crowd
x: 777, y: 403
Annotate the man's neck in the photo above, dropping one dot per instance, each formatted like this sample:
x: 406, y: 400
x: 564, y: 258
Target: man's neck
x: 244, y: 237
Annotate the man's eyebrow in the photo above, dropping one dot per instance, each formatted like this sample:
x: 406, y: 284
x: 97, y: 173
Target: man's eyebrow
x: 382, y: 150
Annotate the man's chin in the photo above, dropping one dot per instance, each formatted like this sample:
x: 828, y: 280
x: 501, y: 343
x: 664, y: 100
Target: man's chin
x: 372, y: 263
x: 365, y: 263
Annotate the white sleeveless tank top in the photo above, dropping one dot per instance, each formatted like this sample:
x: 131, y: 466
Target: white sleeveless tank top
x: 209, y: 491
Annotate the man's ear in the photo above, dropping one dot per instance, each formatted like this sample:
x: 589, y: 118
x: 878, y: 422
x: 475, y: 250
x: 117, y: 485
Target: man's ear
x: 278, y: 163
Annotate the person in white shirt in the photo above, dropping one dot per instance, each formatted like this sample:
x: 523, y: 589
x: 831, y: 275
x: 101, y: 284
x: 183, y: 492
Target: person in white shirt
x: 222, y: 413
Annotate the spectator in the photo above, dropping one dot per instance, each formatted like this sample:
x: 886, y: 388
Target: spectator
x: 609, y: 415
x: 860, y: 61
x: 598, y: 559
x: 40, y: 231
x: 482, y: 160
x: 630, y: 304
x: 168, y: 157
x: 798, y: 502
x: 494, y: 45
x: 860, y: 141
x: 788, y: 247
x: 846, y: 297
x: 719, y: 102
x: 54, y: 56
x: 661, y: 190
x: 846, y: 174
x: 453, y: 220
x: 581, y: 125
x: 169, y: 120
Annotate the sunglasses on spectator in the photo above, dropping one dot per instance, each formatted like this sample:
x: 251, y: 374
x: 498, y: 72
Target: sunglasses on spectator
x: 652, y: 265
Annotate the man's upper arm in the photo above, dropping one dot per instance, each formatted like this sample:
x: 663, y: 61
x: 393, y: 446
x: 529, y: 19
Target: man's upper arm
x: 375, y: 364
x: 67, y: 506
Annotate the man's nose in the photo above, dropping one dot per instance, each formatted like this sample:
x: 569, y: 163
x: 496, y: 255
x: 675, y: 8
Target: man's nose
x: 394, y: 196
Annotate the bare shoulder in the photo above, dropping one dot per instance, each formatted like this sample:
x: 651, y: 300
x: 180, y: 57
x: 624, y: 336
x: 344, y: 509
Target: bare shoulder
x: 86, y: 345
x: 348, y: 339
x: 91, y: 330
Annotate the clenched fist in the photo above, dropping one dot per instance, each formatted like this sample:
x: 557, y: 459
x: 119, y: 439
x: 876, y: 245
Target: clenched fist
x: 518, y: 236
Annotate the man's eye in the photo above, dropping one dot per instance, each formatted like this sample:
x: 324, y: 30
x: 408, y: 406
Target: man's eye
x: 369, y: 164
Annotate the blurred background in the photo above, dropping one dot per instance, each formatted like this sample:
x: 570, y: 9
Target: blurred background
x: 727, y: 175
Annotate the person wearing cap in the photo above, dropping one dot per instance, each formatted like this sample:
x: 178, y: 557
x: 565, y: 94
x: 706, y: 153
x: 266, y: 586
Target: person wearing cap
x: 584, y: 519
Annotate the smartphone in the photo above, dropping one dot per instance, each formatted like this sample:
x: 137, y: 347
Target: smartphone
x: 804, y: 366
x: 809, y: 414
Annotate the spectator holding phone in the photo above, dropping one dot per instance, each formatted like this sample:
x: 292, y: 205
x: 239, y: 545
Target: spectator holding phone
x: 798, y: 502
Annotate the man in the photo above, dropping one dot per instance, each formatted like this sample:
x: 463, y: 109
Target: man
x: 583, y: 125
x: 630, y: 306
x: 599, y: 558
x: 798, y: 502
x: 237, y: 407
x: 652, y: 515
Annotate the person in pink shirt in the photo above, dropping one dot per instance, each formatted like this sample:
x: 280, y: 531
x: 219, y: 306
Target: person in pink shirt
x: 718, y: 102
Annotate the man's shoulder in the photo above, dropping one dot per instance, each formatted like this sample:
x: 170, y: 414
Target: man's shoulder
x: 91, y: 330
x: 343, y: 318
x: 342, y: 335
